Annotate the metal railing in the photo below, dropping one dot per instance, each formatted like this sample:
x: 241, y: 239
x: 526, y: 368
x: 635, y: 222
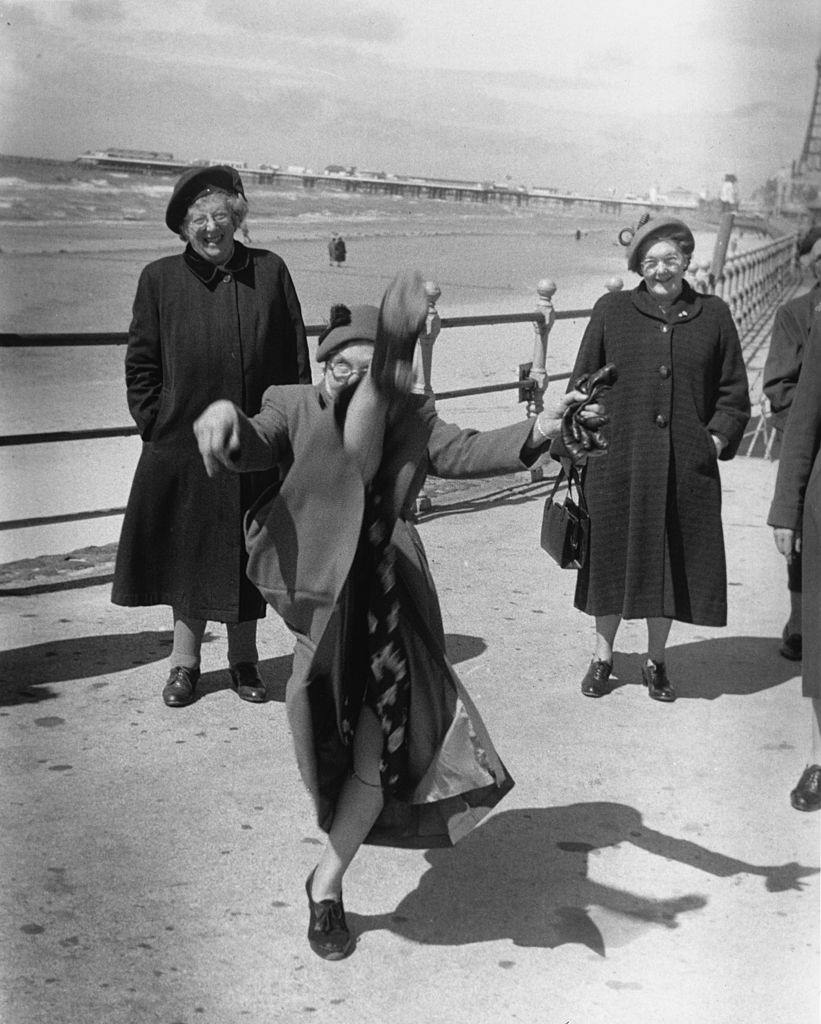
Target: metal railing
x: 751, y: 282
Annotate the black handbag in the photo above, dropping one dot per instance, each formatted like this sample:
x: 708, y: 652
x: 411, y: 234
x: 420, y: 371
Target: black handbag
x: 566, y: 526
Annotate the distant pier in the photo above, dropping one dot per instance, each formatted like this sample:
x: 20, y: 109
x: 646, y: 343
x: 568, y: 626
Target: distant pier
x: 461, y: 191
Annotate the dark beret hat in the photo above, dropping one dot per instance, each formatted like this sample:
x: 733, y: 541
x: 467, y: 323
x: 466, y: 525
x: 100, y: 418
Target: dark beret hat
x: 659, y: 227
x: 347, y: 325
x: 192, y: 182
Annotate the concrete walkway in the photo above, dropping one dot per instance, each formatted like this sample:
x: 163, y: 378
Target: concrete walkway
x: 646, y: 869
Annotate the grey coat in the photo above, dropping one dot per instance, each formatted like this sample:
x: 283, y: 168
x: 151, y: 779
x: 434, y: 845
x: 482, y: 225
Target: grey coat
x: 304, y: 539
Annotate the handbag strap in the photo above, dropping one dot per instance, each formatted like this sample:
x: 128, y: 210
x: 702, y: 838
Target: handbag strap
x: 574, y: 478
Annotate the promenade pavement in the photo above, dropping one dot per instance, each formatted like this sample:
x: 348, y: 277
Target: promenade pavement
x: 647, y: 867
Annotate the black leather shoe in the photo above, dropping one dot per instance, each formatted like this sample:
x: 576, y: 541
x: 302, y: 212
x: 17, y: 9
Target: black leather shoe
x: 246, y: 681
x: 594, y: 683
x: 328, y: 934
x: 807, y: 794
x: 791, y: 646
x: 179, y: 689
x: 654, y: 677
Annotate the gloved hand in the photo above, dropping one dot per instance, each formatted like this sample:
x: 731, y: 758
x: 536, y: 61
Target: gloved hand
x: 581, y: 425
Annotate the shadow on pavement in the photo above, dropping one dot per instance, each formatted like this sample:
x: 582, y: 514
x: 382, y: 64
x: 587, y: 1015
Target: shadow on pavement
x: 729, y: 665
x: 523, y: 495
x: 26, y: 672
x: 524, y: 876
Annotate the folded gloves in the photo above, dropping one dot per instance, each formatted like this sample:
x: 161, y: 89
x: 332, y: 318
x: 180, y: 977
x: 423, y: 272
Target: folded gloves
x: 583, y: 439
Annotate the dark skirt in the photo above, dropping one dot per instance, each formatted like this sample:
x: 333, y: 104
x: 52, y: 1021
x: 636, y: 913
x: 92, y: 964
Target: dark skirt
x: 182, y: 541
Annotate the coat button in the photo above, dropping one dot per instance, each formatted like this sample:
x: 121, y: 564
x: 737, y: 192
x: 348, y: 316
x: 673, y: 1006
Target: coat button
x: 664, y: 372
x: 227, y: 279
x: 661, y: 420
x: 664, y: 328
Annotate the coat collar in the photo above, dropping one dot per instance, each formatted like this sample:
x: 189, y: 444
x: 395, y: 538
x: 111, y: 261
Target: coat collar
x: 209, y: 272
x: 687, y: 307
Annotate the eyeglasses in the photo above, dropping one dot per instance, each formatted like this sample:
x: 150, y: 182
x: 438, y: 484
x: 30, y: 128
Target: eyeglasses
x: 668, y: 262
x: 220, y: 217
x: 342, y: 371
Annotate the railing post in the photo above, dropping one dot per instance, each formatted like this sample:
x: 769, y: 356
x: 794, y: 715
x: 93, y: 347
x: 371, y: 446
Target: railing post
x: 725, y: 228
x: 613, y: 284
x: 537, y: 371
x: 542, y: 327
x: 423, y: 360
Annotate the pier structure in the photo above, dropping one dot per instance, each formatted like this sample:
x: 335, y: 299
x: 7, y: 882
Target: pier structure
x: 380, y: 183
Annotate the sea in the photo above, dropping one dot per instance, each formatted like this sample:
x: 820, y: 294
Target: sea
x: 73, y: 240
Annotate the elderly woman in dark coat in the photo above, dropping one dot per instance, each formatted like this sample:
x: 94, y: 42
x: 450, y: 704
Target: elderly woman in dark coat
x: 218, y: 320
x: 795, y: 515
x: 679, y: 405
x: 387, y: 740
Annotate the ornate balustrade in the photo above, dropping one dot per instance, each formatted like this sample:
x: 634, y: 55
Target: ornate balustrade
x: 751, y: 283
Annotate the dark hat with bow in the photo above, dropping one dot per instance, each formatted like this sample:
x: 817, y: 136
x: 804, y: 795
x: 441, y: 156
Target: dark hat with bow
x: 657, y: 227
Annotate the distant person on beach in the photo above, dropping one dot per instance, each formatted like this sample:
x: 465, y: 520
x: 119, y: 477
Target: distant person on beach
x: 387, y: 740
x: 337, y: 250
x: 679, y: 405
x: 782, y: 368
x: 795, y: 515
x: 217, y: 321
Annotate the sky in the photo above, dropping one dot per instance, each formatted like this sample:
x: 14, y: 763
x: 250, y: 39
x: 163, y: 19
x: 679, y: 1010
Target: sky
x: 589, y: 96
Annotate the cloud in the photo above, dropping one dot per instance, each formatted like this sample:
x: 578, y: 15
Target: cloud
x: 97, y: 12
x: 310, y: 19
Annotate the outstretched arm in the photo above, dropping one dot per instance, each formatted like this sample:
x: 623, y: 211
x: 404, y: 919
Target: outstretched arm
x: 228, y: 439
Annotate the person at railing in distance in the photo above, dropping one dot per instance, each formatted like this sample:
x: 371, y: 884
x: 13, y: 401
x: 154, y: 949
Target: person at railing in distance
x: 387, y: 741
x: 781, y: 371
x: 795, y: 515
x: 219, y: 320
x: 680, y: 404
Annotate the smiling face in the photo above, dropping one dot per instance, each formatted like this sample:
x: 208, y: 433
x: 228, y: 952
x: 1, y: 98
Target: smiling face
x: 662, y: 266
x: 209, y: 227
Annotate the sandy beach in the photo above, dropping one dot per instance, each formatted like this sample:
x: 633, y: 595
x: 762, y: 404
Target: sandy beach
x: 77, y: 269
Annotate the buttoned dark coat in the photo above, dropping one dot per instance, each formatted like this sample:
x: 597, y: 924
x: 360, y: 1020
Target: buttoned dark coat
x: 304, y: 539
x: 198, y: 334
x: 796, y: 503
x: 656, y: 541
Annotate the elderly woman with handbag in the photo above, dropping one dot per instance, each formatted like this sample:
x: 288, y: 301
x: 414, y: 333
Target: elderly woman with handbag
x: 679, y: 405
